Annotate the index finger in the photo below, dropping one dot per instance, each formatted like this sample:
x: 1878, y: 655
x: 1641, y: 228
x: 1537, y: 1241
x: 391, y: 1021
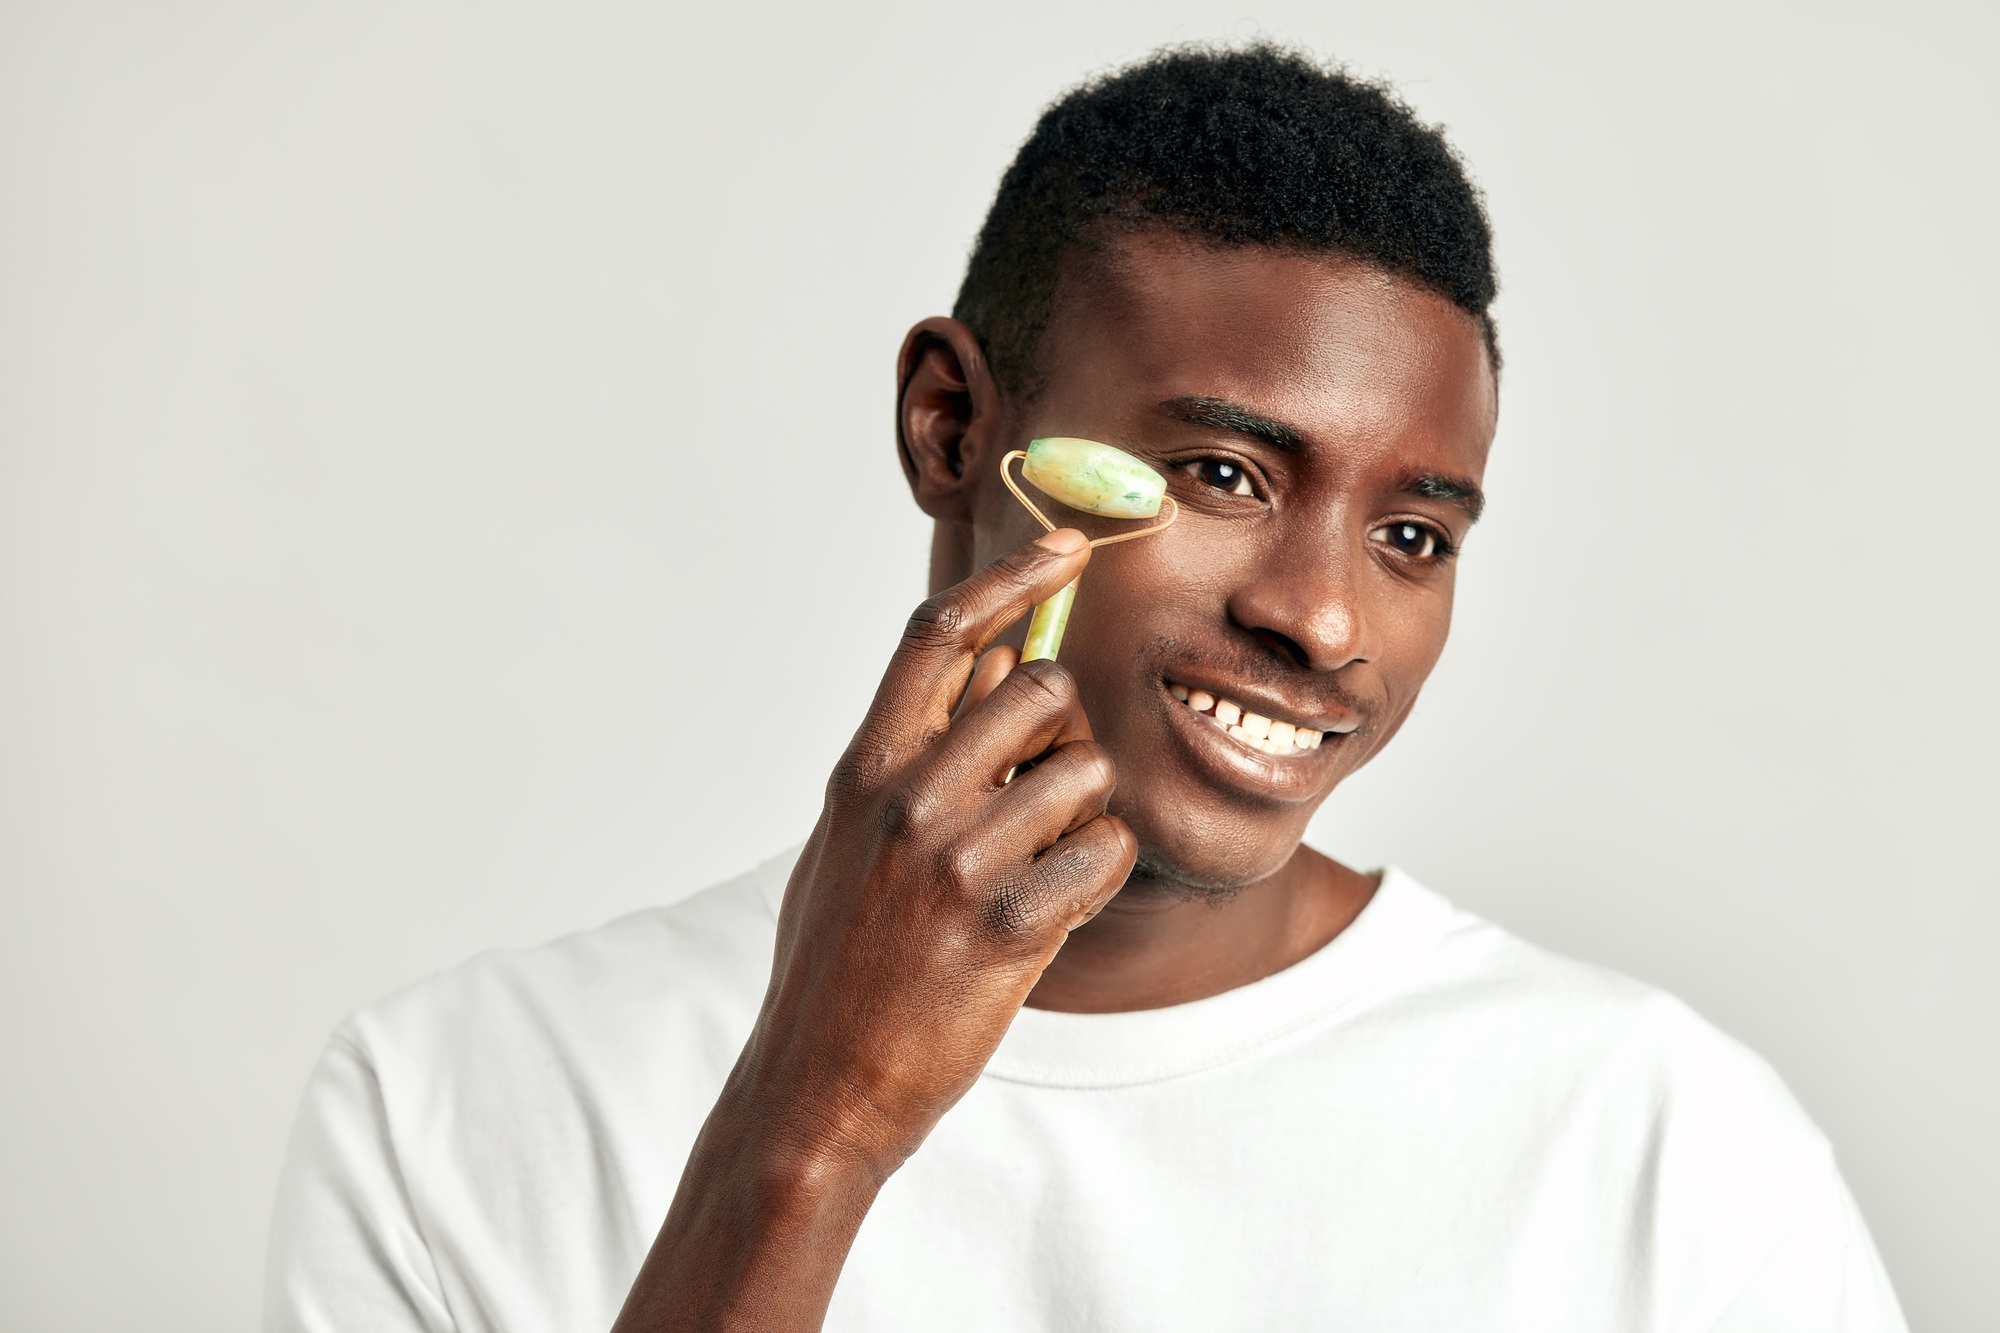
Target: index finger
x: 947, y: 633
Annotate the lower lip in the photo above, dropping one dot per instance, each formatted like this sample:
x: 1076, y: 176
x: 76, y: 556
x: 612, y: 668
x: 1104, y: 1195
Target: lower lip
x: 1287, y: 778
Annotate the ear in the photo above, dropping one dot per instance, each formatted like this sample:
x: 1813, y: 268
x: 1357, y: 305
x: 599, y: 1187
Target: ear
x: 947, y: 416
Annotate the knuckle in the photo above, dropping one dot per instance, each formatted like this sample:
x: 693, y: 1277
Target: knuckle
x: 1070, y: 861
x: 961, y: 869
x: 1046, y: 682
x: 1090, y: 856
x: 940, y: 621
x: 1025, y: 563
x: 1092, y: 764
x: 999, y: 905
x: 856, y: 772
x: 1117, y: 850
x: 844, y: 781
x: 1007, y: 911
x: 902, y: 814
x: 893, y: 816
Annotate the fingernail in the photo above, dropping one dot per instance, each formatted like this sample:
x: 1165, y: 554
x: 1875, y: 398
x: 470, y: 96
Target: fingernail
x: 1063, y: 541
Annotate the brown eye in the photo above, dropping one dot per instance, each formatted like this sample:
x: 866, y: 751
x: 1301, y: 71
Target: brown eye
x: 1412, y: 540
x: 1222, y: 474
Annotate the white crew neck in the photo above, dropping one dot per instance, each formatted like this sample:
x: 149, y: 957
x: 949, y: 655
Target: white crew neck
x: 1400, y: 924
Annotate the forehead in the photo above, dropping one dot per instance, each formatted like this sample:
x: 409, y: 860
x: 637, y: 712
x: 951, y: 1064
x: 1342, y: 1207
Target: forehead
x: 1339, y: 349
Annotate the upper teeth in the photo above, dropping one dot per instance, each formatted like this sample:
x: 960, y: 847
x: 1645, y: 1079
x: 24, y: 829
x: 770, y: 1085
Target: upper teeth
x: 1251, y: 729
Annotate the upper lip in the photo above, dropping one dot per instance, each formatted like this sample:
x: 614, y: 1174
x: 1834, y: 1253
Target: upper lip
x: 1315, y: 717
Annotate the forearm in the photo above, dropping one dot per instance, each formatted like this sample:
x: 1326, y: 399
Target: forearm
x: 757, y: 1233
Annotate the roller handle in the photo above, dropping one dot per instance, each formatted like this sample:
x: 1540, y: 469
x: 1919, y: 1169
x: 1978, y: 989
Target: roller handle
x: 1045, y: 630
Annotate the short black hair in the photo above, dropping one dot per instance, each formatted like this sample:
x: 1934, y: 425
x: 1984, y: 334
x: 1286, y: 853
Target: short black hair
x: 1257, y: 145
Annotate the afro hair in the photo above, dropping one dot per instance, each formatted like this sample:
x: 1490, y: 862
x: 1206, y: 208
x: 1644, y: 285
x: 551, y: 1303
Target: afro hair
x: 1239, y: 146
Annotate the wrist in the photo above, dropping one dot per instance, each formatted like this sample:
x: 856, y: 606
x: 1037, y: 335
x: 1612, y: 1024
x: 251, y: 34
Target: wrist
x: 758, y: 1230
x: 814, y: 1136
x: 812, y: 1189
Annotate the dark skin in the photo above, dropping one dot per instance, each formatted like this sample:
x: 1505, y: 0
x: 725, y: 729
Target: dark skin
x: 1324, y: 427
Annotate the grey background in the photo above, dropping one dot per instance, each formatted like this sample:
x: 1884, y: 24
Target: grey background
x: 377, y: 386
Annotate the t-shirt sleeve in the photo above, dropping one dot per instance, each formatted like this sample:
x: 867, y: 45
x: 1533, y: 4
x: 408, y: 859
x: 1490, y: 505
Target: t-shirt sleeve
x: 1823, y: 1277
x: 346, y: 1249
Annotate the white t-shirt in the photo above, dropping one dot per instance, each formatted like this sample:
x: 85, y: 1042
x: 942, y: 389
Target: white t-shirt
x: 1428, y: 1124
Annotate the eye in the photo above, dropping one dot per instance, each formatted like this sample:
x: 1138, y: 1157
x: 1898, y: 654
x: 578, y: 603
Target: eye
x: 1414, y: 541
x: 1220, y: 473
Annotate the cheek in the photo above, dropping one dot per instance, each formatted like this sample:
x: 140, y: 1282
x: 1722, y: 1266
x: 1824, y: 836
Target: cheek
x: 1414, y: 630
x: 999, y: 525
x: 1416, y: 636
x: 1130, y: 605
x: 1142, y: 592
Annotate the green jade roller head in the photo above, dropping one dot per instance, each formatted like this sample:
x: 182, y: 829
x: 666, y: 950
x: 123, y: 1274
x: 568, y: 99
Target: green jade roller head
x: 1096, y: 479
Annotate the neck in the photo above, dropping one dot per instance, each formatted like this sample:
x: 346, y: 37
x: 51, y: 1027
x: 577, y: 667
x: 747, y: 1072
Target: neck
x: 1158, y: 943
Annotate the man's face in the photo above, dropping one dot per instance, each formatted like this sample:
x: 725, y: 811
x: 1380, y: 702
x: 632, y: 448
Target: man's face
x: 1324, y: 428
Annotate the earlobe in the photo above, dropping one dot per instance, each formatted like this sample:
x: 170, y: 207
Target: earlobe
x: 946, y: 411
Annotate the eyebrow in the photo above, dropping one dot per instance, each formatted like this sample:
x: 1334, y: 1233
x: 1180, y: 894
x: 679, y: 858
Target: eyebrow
x: 1452, y: 490
x: 1221, y: 414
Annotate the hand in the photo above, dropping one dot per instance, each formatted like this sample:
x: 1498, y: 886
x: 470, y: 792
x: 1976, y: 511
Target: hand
x: 933, y: 891
x: 931, y: 896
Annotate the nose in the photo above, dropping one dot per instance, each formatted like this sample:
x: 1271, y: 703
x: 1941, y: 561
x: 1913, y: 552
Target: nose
x: 1307, y: 603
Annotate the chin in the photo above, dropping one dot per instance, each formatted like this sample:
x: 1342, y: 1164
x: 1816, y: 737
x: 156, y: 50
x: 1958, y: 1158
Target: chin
x: 1184, y: 856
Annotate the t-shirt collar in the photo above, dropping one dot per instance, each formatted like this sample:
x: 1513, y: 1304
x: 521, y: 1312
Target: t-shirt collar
x: 1399, y: 926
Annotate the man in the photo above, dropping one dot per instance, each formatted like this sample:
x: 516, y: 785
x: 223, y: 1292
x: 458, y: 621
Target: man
x: 1101, y: 1044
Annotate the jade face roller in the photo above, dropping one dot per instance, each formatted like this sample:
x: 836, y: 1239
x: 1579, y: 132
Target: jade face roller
x: 1096, y: 479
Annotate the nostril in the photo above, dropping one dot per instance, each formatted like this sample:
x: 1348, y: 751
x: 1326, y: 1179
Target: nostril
x: 1285, y: 647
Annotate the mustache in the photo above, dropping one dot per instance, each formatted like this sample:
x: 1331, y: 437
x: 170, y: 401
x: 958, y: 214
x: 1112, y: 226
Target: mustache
x: 1248, y: 665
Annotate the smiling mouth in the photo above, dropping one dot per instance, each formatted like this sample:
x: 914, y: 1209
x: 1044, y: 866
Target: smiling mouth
x: 1266, y: 735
